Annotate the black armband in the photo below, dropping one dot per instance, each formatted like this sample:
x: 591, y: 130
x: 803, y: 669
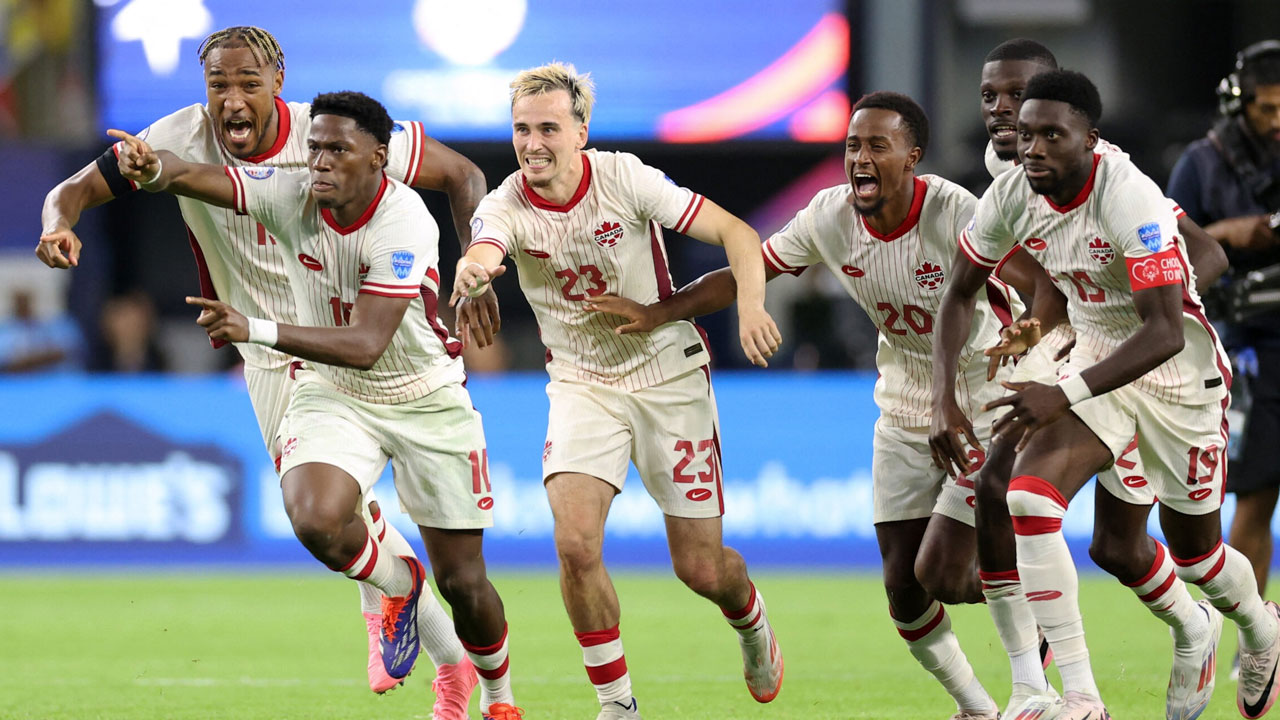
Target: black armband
x: 109, y: 166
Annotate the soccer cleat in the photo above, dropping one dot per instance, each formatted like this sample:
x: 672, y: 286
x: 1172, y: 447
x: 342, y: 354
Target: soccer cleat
x: 1046, y: 650
x: 1256, y: 692
x: 502, y: 711
x: 379, y: 680
x: 1027, y: 703
x: 762, y: 660
x: 453, y: 687
x: 1083, y: 707
x: 398, y: 636
x: 618, y: 711
x: 1192, y: 677
x: 977, y: 715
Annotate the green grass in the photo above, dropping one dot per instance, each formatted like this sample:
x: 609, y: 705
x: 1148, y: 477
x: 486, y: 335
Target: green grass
x: 262, y: 646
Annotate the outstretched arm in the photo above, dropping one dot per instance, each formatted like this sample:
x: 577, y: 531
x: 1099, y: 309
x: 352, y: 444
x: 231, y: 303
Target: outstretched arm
x: 374, y: 320
x: 710, y: 293
x: 59, y: 246
x: 164, y: 171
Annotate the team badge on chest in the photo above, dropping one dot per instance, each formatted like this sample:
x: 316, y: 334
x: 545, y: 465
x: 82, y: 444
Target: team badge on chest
x: 608, y: 234
x: 929, y: 275
x: 1101, y: 251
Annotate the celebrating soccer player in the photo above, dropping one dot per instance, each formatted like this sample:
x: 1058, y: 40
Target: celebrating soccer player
x: 385, y: 381
x: 1145, y: 362
x: 245, y: 122
x: 579, y: 224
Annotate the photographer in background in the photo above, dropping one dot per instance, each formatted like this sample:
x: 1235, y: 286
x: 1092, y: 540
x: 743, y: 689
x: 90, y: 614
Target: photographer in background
x: 1229, y: 183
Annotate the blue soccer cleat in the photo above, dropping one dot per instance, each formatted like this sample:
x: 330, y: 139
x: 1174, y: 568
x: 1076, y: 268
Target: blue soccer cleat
x: 399, y: 635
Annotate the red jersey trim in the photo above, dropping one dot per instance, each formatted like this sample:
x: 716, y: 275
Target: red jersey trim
x: 973, y: 255
x: 430, y: 303
x: 690, y: 212
x: 283, y: 127
x: 488, y: 241
x: 408, y: 295
x: 545, y: 204
x: 384, y: 286
x: 913, y: 216
x: 417, y: 143
x: 775, y: 263
x: 1000, y: 265
x: 364, y: 217
x: 661, y: 274
x: 1084, y: 191
x: 238, y: 201
x: 207, y: 290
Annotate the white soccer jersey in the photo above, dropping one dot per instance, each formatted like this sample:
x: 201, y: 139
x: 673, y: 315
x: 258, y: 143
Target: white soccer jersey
x: 391, y: 250
x: 1117, y: 236
x: 606, y: 239
x: 898, y: 280
x: 235, y: 255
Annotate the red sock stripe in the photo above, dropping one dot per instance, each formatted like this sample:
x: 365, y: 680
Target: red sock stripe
x: 750, y: 606
x: 1155, y: 568
x: 485, y: 649
x: 597, y: 637
x: 608, y: 672
x: 375, y: 513
x: 1039, y: 486
x: 999, y: 576
x: 1033, y: 525
x: 495, y: 673
x: 914, y: 635
x: 368, y: 566
x: 1164, y: 586
x: 1213, y: 571
x: 1202, y: 558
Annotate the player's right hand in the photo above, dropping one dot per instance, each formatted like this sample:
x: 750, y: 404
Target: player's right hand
x: 220, y: 320
x: 949, y: 423
x: 472, y: 280
x: 478, y: 318
x: 1015, y: 340
x: 640, y: 318
x: 59, y: 249
x: 136, y: 160
x: 759, y: 336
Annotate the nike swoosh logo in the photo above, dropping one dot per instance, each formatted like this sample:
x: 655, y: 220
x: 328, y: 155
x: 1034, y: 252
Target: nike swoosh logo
x: 1253, y: 710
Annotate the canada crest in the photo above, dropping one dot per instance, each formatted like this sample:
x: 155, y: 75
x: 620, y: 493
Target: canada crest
x: 929, y: 275
x: 1101, y: 251
x: 608, y: 234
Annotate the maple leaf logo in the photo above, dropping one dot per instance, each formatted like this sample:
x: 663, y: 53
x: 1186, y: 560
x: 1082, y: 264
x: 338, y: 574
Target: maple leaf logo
x: 929, y: 275
x: 364, y: 269
x: 1101, y: 251
x: 608, y: 234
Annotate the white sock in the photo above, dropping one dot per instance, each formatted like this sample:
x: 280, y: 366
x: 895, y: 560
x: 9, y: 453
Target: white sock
x: 1016, y: 626
x: 493, y: 667
x: 1166, y: 596
x: 606, y: 665
x: 1049, y: 577
x: 379, y: 568
x: 751, y: 618
x: 930, y: 640
x: 1226, y: 578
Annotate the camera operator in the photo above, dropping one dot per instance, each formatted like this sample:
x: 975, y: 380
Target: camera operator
x: 1229, y: 183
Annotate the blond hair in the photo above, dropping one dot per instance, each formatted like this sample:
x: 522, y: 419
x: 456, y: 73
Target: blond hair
x: 266, y: 50
x: 557, y: 76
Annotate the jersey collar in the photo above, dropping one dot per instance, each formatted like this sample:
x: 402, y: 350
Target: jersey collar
x: 1084, y: 191
x: 364, y: 216
x: 540, y: 202
x: 919, y: 189
x: 283, y: 127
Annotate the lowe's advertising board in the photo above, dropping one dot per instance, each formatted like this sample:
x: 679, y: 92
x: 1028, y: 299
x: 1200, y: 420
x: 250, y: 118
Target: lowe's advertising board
x: 167, y: 470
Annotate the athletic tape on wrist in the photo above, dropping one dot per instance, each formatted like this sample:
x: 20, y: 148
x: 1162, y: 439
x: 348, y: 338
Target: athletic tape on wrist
x: 263, y: 332
x: 1075, y: 388
x: 154, y: 178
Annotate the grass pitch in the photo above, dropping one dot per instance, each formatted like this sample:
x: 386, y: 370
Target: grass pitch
x: 259, y: 645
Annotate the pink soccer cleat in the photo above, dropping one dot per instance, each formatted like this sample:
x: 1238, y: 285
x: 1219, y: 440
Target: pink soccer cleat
x: 379, y: 680
x: 453, y: 687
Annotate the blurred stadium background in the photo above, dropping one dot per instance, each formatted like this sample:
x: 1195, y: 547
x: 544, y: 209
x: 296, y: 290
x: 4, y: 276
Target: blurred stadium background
x: 125, y: 442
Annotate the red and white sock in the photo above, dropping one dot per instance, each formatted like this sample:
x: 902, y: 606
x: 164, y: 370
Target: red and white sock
x: 379, y: 568
x: 1166, y: 596
x: 1049, y: 577
x: 750, y: 619
x: 1226, y: 578
x: 606, y: 664
x: 494, y: 669
x: 390, y: 540
x: 1015, y: 624
x: 935, y: 647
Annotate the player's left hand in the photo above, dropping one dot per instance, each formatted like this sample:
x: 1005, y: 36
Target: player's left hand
x: 1031, y: 406
x: 759, y: 335
x: 1015, y: 341
x: 640, y: 318
x: 478, y: 318
x: 220, y: 320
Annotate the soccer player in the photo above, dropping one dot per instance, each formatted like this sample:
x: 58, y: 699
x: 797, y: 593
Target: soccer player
x: 384, y: 379
x: 1123, y: 498
x: 889, y: 237
x: 581, y: 223
x: 246, y: 123
x: 1145, y: 362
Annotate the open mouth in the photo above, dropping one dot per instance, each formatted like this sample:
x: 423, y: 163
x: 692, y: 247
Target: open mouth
x: 1002, y: 131
x: 238, y: 131
x: 865, y: 185
x: 537, y: 163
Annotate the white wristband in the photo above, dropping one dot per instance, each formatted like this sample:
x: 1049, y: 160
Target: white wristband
x: 154, y: 178
x: 263, y: 332
x: 1075, y: 388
